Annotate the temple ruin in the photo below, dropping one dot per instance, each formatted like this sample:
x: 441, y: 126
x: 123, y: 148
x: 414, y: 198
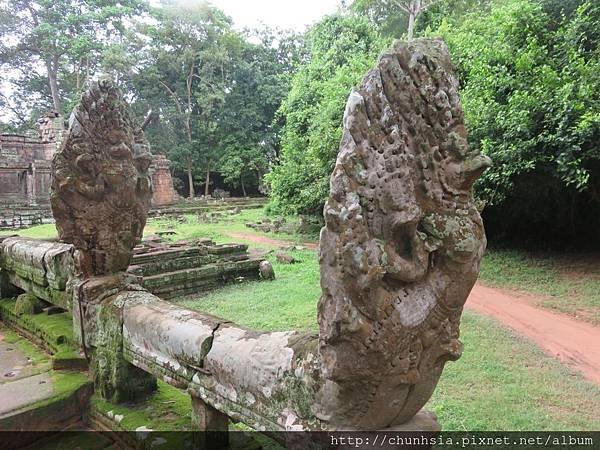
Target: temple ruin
x: 25, y: 174
x: 25, y: 163
x: 399, y: 254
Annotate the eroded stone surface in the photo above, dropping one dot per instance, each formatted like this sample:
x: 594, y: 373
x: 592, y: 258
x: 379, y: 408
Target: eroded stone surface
x: 101, y: 190
x: 403, y: 240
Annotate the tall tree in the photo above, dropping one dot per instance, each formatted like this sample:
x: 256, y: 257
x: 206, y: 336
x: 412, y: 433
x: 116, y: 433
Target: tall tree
x: 44, y: 40
x: 528, y: 95
x: 342, y: 49
x: 384, y: 13
x: 413, y: 8
x: 184, y: 64
x: 259, y: 76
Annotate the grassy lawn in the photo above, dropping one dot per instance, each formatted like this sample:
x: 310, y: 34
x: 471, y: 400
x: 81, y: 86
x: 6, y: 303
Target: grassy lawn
x: 191, y: 228
x: 502, y: 382
x: 288, y: 302
x: 568, y: 283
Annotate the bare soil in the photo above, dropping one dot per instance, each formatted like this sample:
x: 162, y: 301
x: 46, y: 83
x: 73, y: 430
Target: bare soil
x: 574, y: 342
x: 265, y: 240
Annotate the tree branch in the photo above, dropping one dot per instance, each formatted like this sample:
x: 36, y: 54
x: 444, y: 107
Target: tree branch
x: 172, y: 94
x: 402, y: 6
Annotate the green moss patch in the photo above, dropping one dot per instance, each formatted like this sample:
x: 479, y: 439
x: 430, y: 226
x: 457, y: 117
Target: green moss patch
x: 29, y: 350
x: 166, y: 409
x: 55, y: 331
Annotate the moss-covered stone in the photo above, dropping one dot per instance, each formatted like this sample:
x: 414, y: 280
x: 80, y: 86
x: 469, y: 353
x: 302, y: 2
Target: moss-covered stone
x: 115, y: 379
x: 27, y: 304
x: 50, y: 331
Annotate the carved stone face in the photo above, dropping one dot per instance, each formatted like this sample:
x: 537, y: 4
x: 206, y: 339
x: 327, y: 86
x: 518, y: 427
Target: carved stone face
x: 402, y: 243
x: 100, y: 189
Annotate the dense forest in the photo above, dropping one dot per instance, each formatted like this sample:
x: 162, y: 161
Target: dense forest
x: 261, y: 110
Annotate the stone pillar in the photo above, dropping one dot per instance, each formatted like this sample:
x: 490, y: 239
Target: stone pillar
x: 7, y: 290
x: 51, y: 132
x: 31, y: 185
x: 163, y: 192
x: 98, y: 326
x: 210, y: 426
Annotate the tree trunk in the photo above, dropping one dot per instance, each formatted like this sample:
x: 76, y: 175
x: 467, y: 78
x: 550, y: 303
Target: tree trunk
x: 243, y: 187
x: 190, y: 178
x: 207, y: 183
x: 411, y: 23
x: 52, y: 68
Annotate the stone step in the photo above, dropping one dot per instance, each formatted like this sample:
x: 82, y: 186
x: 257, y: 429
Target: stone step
x: 198, y: 280
x: 35, y: 397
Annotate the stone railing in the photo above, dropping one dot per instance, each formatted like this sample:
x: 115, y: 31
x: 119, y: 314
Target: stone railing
x: 40, y: 267
x: 44, y: 268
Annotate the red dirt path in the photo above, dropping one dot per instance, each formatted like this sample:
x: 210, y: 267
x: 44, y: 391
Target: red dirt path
x: 574, y: 342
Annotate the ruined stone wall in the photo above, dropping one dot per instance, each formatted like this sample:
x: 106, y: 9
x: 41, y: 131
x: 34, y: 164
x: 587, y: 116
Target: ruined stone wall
x: 25, y: 168
x: 25, y: 163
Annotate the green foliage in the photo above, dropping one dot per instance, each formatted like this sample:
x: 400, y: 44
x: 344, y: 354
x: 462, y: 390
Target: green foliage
x: 567, y: 282
x: 51, y: 47
x: 293, y: 294
x: 184, y: 53
x: 505, y: 382
x: 524, y: 108
x: 258, y: 81
x: 342, y: 49
x: 528, y: 96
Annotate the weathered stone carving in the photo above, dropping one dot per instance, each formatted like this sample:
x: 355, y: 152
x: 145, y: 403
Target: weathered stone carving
x: 101, y: 190
x: 100, y: 198
x: 403, y: 240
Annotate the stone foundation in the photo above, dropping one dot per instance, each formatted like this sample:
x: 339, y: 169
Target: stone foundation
x: 175, y: 270
x: 199, y: 206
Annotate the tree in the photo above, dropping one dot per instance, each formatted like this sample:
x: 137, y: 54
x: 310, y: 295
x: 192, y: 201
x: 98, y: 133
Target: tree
x: 342, y: 50
x: 259, y: 76
x: 384, y: 13
x: 528, y: 96
x: 413, y: 8
x: 184, y: 65
x: 46, y: 41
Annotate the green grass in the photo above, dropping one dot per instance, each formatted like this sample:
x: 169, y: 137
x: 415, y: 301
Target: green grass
x: 47, y: 231
x: 56, y: 330
x: 38, y: 357
x: 563, y: 282
x: 190, y: 229
x: 288, y: 302
x: 167, y: 408
x: 505, y: 382
x: 502, y: 382
x: 221, y: 232
x: 569, y: 283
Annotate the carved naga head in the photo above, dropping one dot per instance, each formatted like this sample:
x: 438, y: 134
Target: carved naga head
x: 403, y: 239
x: 100, y: 189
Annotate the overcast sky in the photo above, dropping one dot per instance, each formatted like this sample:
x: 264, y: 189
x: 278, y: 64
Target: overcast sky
x: 295, y: 14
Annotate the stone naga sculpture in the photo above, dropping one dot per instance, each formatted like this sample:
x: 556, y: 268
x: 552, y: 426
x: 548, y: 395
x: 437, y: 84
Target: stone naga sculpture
x: 101, y: 190
x: 403, y: 240
x: 100, y: 196
x: 399, y: 255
